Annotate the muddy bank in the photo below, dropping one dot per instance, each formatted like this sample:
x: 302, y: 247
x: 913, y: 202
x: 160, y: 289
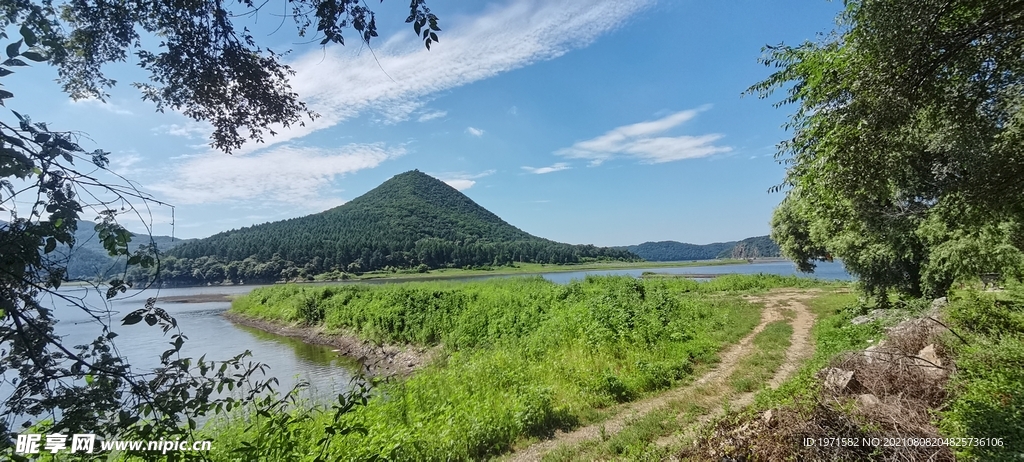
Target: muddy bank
x: 197, y: 298
x: 377, y: 360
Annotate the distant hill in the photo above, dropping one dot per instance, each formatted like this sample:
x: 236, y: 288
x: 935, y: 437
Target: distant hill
x: 753, y: 247
x: 90, y: 260
x: 410, y: 221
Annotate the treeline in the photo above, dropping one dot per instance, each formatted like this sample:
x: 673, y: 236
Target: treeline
x: 753, y: 247
x: 423, y: 256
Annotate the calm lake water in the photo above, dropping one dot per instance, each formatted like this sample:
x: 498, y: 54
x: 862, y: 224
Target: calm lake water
x: 211, y: 334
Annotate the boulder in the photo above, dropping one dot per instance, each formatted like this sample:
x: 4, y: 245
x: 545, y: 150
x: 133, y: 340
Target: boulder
x: 868, y: 400
x: 876, y: 353
x: 866, y: 318
x: 930, y: 361
x: 839, y: 381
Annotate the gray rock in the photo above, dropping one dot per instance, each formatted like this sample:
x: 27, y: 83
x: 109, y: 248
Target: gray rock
x: 839, y: 381
x: 930, y: 361
x: 868, y: 400
x: 876, y: 353
x: 866, y: 318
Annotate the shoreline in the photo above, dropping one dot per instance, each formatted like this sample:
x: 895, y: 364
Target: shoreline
x: 458, y: 273
x: 376, y: 360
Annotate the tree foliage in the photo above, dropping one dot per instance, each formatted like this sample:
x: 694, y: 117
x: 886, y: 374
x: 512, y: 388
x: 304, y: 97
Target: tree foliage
x: 906, y: 159
x: 206, y: 68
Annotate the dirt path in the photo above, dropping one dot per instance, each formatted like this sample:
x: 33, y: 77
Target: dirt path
x: 712, y: 386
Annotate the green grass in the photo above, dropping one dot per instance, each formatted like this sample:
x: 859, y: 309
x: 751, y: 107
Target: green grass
x: 754, y: 371
x: 987, y: 392
x: 633, y: 442
x: 522, y: 357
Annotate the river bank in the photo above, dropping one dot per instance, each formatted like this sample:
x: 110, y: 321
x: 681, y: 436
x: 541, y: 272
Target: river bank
x: 378, y: 360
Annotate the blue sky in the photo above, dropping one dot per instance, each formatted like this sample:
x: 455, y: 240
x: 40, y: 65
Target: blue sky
x: 602, y: 122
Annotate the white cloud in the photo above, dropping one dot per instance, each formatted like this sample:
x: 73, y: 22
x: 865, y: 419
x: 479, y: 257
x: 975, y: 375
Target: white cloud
x: 191, y: 129
x: 461, y: 180
x: 552, y: 168
x: 513, y: 110
x: 638, y: 141
x: 122, y: 162
x: 475, y: 131
x: 286, y: 175
x: 341, y: 83
x: 432, y: 115
x: 106, y: 106
x: 460, y: 184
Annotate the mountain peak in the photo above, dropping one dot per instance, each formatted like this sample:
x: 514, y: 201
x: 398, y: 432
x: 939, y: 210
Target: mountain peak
x: 409, y: 220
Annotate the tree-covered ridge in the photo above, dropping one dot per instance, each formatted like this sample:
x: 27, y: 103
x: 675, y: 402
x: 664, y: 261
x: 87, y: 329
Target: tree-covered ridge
x: 88, y: 260
x: 410, y: 221
x: 752, y: 247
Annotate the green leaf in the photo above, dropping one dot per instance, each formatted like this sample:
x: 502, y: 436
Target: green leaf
x: 34, y: 56
x: 51, y: 244
x: 28, y: 35
x: 12, y: 49
x: 132, y: 318
x: 5, y: 72
x: 13, y: 62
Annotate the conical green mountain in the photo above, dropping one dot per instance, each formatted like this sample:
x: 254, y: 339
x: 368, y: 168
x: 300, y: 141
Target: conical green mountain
x: 410, y: 220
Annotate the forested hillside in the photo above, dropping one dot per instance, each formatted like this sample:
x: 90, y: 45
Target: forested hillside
x: 89, y: 260
x: 753, y: 247
x: 410, y: 221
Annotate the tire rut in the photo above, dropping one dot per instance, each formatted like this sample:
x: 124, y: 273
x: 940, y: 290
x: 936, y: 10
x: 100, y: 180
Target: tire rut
x: 775, y: 303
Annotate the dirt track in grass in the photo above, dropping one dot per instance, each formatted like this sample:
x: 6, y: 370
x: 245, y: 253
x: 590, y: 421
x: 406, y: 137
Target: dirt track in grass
x: 711, y: 391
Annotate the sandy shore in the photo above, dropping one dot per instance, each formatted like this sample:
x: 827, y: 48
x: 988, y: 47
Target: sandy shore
x: 377, y: 360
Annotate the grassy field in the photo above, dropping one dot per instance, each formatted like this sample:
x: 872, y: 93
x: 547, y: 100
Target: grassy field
x: 521, y: 358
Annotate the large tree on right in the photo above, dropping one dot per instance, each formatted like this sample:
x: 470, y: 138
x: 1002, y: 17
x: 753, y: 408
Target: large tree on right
x: 907, y: 151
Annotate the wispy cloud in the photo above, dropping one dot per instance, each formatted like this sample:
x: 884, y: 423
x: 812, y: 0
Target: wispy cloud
x: 286, y: 175
x: 342, y: 83
x: 191, y: 129
x: 106, y: 106
x: 122, y: 163
x: 639, y: 141
x: 432, y: 115
x: 475, y: 131
x: 552, y: 168
x: 461, y: 180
